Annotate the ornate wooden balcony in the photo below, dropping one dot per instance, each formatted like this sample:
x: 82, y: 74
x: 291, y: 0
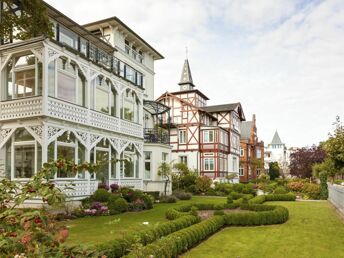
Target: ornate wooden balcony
x: 34, y: 107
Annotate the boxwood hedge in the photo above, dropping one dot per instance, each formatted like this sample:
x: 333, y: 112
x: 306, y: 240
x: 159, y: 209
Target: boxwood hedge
x: 120, y: 247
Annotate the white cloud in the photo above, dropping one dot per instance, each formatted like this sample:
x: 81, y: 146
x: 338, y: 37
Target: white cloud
x: 283, y: 60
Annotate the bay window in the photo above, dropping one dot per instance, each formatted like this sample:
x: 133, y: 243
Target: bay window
x: 208, y: 164
x: 208, y: 136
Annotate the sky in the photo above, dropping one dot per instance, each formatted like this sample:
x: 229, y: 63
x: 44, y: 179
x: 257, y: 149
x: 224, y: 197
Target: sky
x: 283, y: 60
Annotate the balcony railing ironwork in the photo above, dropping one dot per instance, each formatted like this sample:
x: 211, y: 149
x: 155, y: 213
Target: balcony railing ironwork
x: 156, y: 135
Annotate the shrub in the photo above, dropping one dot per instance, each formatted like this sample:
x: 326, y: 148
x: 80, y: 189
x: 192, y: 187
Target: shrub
x: 154, y: 194
x: 280, y: 190
x: 194, y: 211
x: 191, y: 189
x: 130, y: 194
x: 203, y: 184
x: 182, y: 195
x: 311, y: 190
x: 111, y: 204
x: 96, y: 209
x: 148, y: 201
x: 229, y: 199
x: 219, y: 212
x: 86, y: 203
x: 137, y: 205
x: 120, y: 247
x: 177, y: 242
x: 101, y: 195
x: 295, y: 186
x: 224, y: 188
x: 248, y: 189
x: 114, y: 187
x: 323, y: 186
x: 168, y: 199
x: 236, y: 195
x: 272, y: 197
x: 219, y: 206
x: 117, y: 205
x: 103, y: 186
x: 238, y: 187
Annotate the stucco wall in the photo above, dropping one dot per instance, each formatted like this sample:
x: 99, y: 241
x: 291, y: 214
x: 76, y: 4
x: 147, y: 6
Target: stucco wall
x: 336, y: 196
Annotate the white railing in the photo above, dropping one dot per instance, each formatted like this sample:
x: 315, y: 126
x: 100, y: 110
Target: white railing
x: 77, y: 188
x: 336, y: 196
x: 132, y: 183
x: 31, y: 107
x: 21, y: 108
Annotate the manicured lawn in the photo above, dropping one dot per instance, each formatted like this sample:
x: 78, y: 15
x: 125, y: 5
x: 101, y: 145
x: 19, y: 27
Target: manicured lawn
x: 94, y: 230
x: 313, y: 230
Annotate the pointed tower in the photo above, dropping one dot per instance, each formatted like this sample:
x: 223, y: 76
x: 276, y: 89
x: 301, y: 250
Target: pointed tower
x: 186, y: 82
x: 276, y: 140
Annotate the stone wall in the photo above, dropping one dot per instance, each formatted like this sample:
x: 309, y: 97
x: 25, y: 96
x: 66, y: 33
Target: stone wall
x: 336, y: 196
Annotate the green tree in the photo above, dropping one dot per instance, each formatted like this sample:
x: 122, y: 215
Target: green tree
x: 334, y: 146
x: 165, y: 170
x: 27, y: 18
x: 274, y: 170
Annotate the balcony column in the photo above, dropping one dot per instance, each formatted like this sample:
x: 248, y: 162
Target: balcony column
x: 45, y: 93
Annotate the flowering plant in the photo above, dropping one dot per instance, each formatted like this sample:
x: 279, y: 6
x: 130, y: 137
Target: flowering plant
x: 96, y: 209
x: 114, y: 187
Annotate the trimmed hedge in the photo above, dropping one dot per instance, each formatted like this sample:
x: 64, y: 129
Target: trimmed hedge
x: 263, y: 215
x: 120, y: 247
x: 182, y: 240
x: 272, y: 197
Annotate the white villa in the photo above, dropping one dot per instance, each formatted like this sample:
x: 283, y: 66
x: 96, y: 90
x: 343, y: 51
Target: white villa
x: 85, y: 95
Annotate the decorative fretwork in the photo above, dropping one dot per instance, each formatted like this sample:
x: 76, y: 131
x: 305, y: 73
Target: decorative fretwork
x: 52, y: 54
x: 53, y: 131
x: 37, y: 130
x: 83, y: 136
x: 21, y: 108
x: 104, y: 121
x: 66, y: 111
x: 131, y: 128
x: 115, y: 143
x: 4, y: 133
x: 38, y: 53
x: 94, y: 139
x: 123, y: 143
x: 139, y: 147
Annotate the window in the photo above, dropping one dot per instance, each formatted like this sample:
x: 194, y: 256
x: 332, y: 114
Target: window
x: 148, y: 157
x: 130, y: 107
x: 241, y: 152
x: 241, y: 171
x: 69, y: 38
x: 208, y: 136
x: 258, y: 171
x: 183, y: 159
x: 182, y: 136
x: 234, y: 164
x: 24, y: 77
x: 208, y: 164
x: 164, y: 157
x: 259, y: 154
x: 130, y: 167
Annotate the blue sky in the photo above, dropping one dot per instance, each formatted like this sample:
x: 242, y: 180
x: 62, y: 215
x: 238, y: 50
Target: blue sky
x: 282, y: 59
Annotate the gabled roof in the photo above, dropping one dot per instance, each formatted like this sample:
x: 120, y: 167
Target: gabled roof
x: 186, y: 77
x: 190, y: 91
x: 226, y: 108
x: 245, y: 130
x: 116, y: 22
x: 276, y: 139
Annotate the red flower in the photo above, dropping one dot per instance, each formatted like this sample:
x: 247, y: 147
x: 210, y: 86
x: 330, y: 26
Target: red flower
x: 12, y: 234
x: 25, y: 239
x: 37, y: 221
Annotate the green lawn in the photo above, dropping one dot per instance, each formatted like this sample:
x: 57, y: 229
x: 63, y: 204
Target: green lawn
x: 94, y: 230
x: 313, y: 230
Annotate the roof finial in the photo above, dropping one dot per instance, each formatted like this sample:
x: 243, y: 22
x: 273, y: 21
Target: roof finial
x: 186, y: 52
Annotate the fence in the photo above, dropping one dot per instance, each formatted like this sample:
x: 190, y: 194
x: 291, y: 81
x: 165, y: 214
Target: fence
x: 336, y: 196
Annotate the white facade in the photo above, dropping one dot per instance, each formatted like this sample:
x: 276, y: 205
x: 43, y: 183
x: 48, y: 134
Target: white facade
x: 71, y: 98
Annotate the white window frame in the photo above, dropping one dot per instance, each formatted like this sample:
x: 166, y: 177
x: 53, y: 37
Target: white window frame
x: 182, y: 136
x: 241, y: 171
x: 209, y: 164
x: 183, y: 159
x: 150, y: 162
x: 242, y: 152
x: 207, y: 135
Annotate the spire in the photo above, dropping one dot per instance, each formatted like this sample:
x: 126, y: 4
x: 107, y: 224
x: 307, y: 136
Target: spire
x: 186, y: 82
x: 276, y: 139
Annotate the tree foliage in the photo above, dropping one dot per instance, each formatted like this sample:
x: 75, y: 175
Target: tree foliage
x: 334, y: 146
x: 302, y: 160
x: 24, y: 19
x: 274, y: 170
x: 165, y: 170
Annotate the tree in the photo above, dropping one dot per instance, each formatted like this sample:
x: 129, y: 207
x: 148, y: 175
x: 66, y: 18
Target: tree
x: 165, y: 170
x: 302, y: 160
x: 27, y: 18
x: 334, y: 146
x: 326, y: 166
x: 274, y: 170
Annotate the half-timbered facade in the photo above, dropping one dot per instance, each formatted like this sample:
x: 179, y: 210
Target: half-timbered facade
x: 206, y: 138
x: 251, y: 152
x: 78, y: 96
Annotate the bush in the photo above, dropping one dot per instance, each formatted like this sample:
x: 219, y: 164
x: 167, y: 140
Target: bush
x: 154, y: 194
x: 86, y: 203
x: 272, y: 197
x: 114, y: 187
x: 280, y: 190
x: 323, y: 186
x: 130, y: 194
x: 168, y: 199
x: 182, y: 195
x: 117, y: 204
x: 101, y: 195
x: 97, y: 209
x: 120, y: 247
x: 311, y: 190
x: 219, y: 212
x: 224, y: 188
x: 229, y: 199
x: 111, y: 203
x: 194, y: 211
x: 203, y: 184
x: 295, y: 186
x: 177, y: 242
x: 148, y: 201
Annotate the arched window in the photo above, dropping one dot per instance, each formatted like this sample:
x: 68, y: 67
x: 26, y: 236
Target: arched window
x: 130, y: 110
x: 23, y: 77
x: 130, y: 167
x: 23, y: 155
x: 105, y: 96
